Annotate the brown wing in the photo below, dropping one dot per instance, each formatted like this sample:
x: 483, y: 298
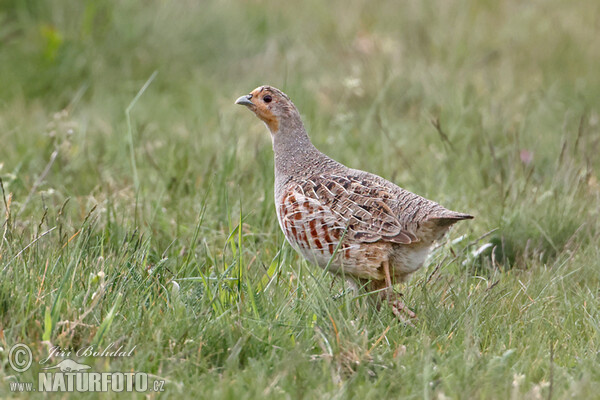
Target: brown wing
x: 360, y: 205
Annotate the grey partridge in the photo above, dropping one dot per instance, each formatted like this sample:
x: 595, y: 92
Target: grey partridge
x: 358, y: 223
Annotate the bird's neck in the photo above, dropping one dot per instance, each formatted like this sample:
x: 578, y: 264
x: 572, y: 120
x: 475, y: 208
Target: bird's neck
x: 294, y: 152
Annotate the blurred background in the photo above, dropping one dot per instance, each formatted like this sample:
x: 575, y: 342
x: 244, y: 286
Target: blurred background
x: 513, y: 87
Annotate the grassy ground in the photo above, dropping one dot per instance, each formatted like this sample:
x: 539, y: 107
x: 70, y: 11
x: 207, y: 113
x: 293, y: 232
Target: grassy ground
x: 148, y: 220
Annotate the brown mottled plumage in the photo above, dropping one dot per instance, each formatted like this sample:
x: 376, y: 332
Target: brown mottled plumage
x: 386, y: 232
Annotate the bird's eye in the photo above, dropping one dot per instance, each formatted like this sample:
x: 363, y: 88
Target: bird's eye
x: 267, y: 99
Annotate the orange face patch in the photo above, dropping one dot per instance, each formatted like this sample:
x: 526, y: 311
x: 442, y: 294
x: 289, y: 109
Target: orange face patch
x: 262, y: 110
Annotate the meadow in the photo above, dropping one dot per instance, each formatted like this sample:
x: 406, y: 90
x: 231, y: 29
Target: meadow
x: 137, y: 202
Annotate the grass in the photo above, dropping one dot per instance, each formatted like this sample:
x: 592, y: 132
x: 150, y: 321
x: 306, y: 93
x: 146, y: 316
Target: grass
x: 137, y: 204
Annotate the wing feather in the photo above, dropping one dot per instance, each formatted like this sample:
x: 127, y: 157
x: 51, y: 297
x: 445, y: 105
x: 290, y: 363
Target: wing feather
x: 362, y: 206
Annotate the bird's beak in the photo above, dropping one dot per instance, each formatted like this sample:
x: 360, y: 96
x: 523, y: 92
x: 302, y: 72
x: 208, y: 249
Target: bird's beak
x: 245, y: 100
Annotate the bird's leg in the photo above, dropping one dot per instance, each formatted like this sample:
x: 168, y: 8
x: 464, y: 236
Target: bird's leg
x: 398, y: 308
x: 332, y: 282
x: 388, y: 278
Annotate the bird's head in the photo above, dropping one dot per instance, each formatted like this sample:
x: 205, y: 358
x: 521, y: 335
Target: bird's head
x: 270, y: 105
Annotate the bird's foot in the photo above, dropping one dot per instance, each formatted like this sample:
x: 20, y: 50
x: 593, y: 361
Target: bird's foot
x: 399, y: 309
x: 402, y: 312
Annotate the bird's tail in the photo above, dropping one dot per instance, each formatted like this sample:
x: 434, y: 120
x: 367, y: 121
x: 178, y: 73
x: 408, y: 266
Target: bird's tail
x: 449, y: 218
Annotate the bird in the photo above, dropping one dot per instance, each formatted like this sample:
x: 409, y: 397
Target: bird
x: 355, y: 223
